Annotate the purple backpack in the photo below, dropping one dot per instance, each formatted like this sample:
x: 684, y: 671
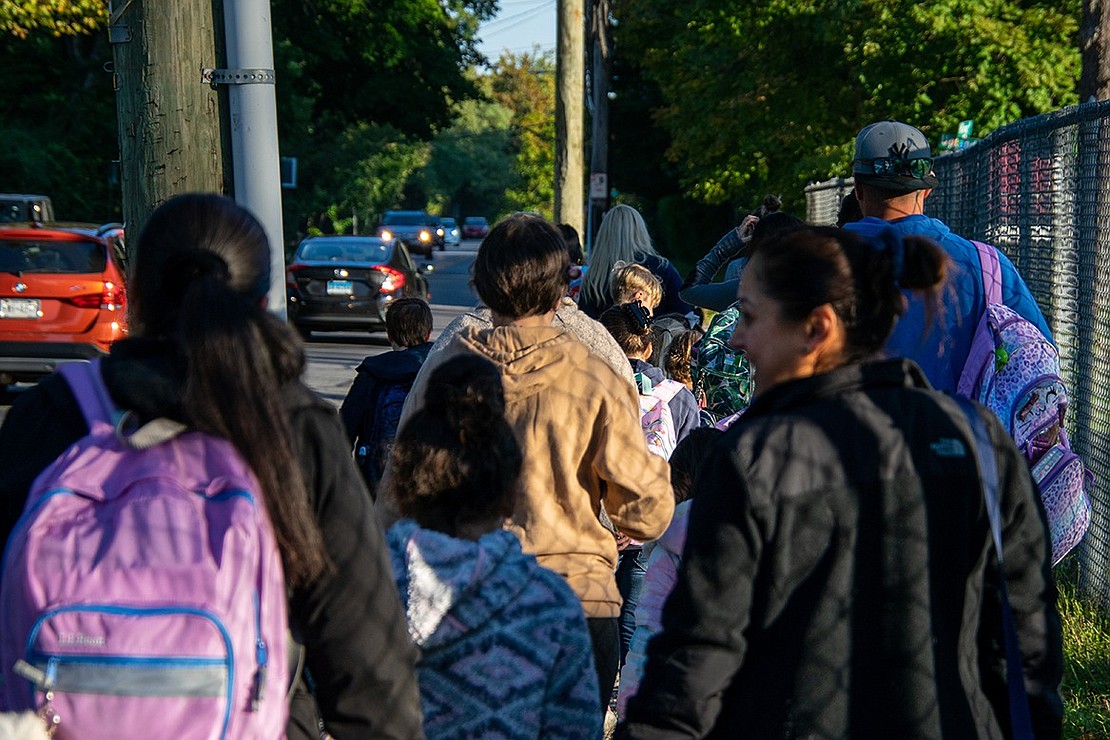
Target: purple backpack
x: 1013, y: 370
x: 142, y: 592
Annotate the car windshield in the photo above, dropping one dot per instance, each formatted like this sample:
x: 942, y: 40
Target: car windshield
x: 344, y: 250
x: 476, y: 221
x: 78, y: 258
x: 12, y: 211
x: 447, y: 221
x: 405, y: 219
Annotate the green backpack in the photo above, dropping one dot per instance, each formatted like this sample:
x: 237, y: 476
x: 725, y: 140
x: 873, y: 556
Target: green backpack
x: 722, y: 375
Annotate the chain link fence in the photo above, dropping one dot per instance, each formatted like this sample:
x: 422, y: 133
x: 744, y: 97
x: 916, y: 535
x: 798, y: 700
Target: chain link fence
x: 1039, y: 190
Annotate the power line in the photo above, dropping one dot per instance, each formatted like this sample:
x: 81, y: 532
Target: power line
x: 520, y: 17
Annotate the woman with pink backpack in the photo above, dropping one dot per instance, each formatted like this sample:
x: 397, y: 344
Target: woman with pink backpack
x: 208, y: 363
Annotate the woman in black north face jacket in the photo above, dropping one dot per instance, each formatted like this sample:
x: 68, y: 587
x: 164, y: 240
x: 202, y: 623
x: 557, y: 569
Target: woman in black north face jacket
x: 839, y: 579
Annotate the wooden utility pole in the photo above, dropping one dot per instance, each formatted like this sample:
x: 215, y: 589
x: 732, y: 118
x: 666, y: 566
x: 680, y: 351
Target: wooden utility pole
x: 170, y: 133
x: 600, y: 72
x: 1094, y: 46
x: 570, y: 71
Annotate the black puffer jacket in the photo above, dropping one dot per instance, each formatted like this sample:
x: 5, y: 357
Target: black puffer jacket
x: 838, y: 579
x: 358, y: 651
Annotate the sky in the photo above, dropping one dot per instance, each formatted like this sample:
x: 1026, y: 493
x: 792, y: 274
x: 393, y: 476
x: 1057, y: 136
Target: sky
x: 518, y: 25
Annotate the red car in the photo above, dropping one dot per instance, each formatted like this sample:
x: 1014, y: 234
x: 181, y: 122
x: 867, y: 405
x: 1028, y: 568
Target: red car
x: 475, y: 227
x: 62, y: 296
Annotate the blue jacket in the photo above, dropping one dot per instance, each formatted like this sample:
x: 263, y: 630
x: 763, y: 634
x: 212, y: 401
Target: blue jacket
x: 943, y: 351
x: 505, y: 651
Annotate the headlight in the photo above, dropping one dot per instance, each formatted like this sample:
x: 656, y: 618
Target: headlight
x: 439, y: 232
x: 424, y: 235
x: 386, y: 234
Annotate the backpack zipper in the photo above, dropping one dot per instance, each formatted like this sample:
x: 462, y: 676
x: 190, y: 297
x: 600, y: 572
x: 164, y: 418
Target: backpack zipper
x: 261, y: 656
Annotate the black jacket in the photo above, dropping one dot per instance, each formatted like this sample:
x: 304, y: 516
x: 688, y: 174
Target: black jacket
x: 839, y: 579
x: 358, y: 652
x: 373, y: 375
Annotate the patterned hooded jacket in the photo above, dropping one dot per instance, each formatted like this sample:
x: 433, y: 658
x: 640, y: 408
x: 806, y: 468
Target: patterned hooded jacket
x: 505, y: 649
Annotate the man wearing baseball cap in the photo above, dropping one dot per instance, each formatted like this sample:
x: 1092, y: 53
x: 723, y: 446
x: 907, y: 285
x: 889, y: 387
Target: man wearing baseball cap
x: 893, y: 171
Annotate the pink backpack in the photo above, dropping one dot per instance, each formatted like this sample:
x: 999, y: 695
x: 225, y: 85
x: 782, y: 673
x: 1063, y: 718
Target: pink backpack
x: 1013, y: 370
x: 142, y: 593
x: 655, y: 415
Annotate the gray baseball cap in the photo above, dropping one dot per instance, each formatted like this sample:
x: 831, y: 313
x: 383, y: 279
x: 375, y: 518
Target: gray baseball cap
x: 894, y: 156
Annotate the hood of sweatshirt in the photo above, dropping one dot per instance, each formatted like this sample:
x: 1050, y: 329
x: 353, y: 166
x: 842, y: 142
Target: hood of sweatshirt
x: 449, y: 586
x: 397, y: 366
x: 531, y: 359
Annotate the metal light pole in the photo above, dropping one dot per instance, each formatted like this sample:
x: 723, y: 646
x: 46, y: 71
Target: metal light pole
x: 252, y: 105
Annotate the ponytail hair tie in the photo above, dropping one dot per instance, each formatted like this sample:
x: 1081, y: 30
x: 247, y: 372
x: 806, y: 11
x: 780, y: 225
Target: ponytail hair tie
x: 638, y: 317
x: 189, y: 265
x: 890, y: 240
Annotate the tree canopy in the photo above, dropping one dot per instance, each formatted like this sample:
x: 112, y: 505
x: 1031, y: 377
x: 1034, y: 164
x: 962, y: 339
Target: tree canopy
x: 763, y: 97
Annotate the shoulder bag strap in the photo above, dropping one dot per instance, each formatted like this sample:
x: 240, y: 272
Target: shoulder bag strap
x: 88, y: 388
x: 991, y: 271
x: 1020, y: 720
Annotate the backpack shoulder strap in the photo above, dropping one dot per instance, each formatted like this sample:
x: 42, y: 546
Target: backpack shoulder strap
x: 1020, y: 719
x: 991, y: 272
x: 88, y: 388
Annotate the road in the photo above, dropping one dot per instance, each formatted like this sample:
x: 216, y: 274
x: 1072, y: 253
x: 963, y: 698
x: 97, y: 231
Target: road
x: 333, y: 357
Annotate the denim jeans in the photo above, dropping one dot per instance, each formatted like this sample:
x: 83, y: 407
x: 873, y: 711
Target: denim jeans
x: 631, y: 567
x: 606, y: 644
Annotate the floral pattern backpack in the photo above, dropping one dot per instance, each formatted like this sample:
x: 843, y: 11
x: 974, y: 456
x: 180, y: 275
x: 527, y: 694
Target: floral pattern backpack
x: 1014, y: 370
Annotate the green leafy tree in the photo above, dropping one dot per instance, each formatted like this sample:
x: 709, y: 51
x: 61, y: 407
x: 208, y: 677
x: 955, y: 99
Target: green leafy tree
x: 398, y: 62
x: 25, y: 17
x: 763, y: 97
x: 58, y: 121
x: 471, y: 165
x: 525, y: 84
x: 361, y: 174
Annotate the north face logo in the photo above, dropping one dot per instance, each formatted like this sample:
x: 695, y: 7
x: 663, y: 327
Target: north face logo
x: 948, y: 447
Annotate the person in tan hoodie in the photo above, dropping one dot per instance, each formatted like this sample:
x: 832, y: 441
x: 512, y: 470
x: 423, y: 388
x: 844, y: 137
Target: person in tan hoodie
x: 577, y: 423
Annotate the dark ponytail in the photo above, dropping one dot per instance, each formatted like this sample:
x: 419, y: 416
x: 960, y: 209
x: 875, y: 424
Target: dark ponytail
x: 457, y: 456
x: 200, y: 275
x: 862, y: 280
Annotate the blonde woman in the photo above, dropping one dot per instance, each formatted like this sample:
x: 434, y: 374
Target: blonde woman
x: 623, y: 237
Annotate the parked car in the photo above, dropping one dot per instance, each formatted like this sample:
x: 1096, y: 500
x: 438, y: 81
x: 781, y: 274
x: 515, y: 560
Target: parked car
x: 415, y: 228
x: 451, y: 233
x: 475, y: 227
x: 62, y: 296
x: 345, y: 283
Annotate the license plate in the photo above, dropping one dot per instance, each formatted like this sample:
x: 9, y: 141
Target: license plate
x: 340, y: 287
x: 20, y: 308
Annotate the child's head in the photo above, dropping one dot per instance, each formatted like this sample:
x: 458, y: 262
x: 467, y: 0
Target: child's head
x: 522, y: 267
x: 686, y: 458
x: 679, y: 358
x: 408, y: 322
x: 457, y: 456
x: 630, y: 325
x: 574, y: 243
x: 633, y: 282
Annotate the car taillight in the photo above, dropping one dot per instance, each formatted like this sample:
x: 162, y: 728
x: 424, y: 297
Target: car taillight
x: 291, y: 277
x: 112, y: 298
x: 394, y: 280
